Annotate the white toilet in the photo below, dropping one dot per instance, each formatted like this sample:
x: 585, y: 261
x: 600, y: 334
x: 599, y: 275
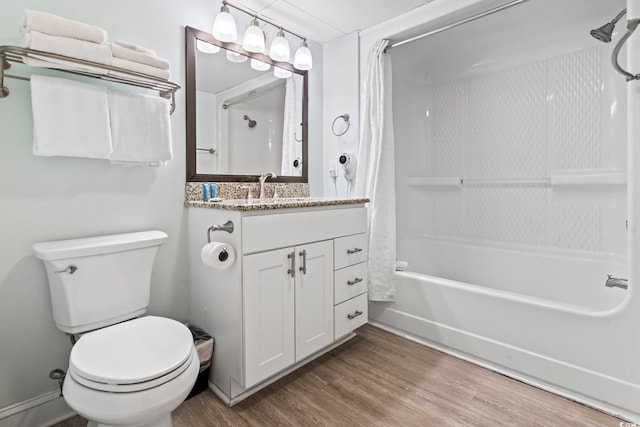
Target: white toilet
x: 123, y: 370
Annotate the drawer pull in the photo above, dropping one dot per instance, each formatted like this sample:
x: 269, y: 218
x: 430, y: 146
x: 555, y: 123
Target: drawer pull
x: 354, y: 251
x: 354, y: 281
x: 354, y: 315
x: 292, y: 270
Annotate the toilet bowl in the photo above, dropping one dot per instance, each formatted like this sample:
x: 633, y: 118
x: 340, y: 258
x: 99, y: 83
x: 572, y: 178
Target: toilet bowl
x: 134, y: 373
x: 124, y: 370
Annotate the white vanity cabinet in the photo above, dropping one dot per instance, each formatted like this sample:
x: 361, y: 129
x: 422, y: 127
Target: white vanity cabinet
x: 286, y: 298
x: 288, y: 307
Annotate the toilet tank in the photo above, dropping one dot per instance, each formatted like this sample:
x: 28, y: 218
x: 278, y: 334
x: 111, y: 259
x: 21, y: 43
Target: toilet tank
x: 98, y: 281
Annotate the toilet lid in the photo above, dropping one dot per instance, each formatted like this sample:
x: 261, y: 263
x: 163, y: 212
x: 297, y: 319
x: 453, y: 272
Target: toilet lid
x: 136, y: 351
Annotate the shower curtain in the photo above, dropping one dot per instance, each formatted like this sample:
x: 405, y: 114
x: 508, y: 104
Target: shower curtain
x: 292, y: 131
x: 375, y: 177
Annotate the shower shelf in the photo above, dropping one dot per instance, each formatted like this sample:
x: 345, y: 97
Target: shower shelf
x: 18, y: 55
x: 561, y: 178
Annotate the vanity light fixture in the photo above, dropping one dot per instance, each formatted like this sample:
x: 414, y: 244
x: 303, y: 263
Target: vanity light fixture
x: 281, y: 73
x: 303, y: 60
x: 224, y: 26
x: 253, y: 40
x: 280, y: 50
x: 259, y: 65
x: 205, y: 47
x: 224, y: 29
x: 235, y: 57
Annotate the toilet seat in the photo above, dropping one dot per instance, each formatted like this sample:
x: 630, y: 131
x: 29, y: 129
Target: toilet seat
x: 132, y: 356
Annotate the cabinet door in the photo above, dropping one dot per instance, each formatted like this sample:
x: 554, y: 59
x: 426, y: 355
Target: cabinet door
x: 314, y: 298
x: 268, y: 296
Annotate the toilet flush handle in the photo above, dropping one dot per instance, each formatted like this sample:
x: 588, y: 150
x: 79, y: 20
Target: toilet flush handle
x: 70, y: 269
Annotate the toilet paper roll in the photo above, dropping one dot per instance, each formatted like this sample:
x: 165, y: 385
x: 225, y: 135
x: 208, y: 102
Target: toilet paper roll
x: 218, y: 255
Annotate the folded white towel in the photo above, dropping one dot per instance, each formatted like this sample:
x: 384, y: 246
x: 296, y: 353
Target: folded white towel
x: 135, y: 56
x: 140, y: 128
x: 136, y: 47
x: 94, y: 52
x: 139, y: 68
x: 57, y: 26
x: 70, y: 118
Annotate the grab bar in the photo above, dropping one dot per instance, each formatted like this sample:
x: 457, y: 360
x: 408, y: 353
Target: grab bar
x: 616, y: 282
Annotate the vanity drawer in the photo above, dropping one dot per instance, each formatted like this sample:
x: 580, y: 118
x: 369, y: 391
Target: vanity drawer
x: 350, y: 250
x: 350, y: 315
x: 350, y: 282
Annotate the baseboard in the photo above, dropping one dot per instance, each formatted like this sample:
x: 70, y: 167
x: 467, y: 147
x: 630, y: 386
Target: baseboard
x: 40, y: 411
x: 485, y: 362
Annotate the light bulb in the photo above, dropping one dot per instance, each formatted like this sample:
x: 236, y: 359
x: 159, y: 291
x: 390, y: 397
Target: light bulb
x: 281, y: 73
x: 259, y: 65
x: 280, y: 50
x: 253, y: 40
x: 224, y: 27
x: 303, y: 60
x: 205, y: 47
x: 235, y: 57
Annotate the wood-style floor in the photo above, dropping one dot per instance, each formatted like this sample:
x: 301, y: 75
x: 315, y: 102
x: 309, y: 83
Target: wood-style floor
x: 379, y: 379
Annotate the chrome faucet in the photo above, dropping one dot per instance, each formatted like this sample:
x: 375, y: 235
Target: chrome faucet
x: 262, y: 179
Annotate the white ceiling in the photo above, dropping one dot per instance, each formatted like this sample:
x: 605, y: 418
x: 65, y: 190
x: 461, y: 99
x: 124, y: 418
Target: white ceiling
x: 325, y: 20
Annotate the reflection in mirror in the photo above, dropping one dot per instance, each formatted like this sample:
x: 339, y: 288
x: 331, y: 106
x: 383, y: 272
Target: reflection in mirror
x: 245, y: 114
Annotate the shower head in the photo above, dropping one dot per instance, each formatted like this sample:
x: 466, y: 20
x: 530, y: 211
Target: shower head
x: 252, y: 123
x: 605, y: 32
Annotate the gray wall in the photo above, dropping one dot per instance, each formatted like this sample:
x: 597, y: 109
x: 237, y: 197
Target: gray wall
x: 45, y: 199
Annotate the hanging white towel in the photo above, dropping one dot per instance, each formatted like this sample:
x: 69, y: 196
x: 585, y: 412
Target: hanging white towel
x: 70, y: 118
x: 140, y: 128
x: 376, y: 174
x: 54, y: 25
x: 139, y: 68
x: 136, y: 47
x: 140, y: 57
x: 74, y: 48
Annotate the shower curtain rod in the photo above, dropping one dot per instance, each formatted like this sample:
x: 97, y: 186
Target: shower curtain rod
x: 455, y: 24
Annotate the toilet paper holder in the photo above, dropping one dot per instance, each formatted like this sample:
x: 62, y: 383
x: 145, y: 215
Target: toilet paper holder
x: 227, y: 226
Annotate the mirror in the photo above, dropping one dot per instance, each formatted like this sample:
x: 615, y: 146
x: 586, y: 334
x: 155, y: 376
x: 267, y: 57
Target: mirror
x: 246, y: 114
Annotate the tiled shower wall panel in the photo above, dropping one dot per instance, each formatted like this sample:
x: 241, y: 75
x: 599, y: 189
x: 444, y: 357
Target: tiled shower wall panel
x: 521, y: 123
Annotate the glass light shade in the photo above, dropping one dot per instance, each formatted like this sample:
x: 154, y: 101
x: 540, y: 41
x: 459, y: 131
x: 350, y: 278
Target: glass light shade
x: 235, y: 57
x: 259, y: 65
x: 281, y: 73
x: 253, y: 40
x: 303, y: 60
x: 205, y: 47
x: 224, y: 27
x: 280, y: 50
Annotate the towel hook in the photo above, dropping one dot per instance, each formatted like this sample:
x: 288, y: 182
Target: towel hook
x: 344, y: 117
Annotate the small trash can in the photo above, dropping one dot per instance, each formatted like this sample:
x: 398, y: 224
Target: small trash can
x: 204, y: 346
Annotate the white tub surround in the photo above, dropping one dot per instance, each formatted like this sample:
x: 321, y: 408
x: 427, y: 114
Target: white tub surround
x: 294, y: 291
x: 517, y: 182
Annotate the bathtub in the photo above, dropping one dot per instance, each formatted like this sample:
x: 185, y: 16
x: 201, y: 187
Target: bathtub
x: 517, y: 195
x: 532, y: 327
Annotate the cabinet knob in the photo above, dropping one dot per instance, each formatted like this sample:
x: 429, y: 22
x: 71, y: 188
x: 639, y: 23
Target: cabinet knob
x: 354, y: 281
x: 354, y: 251
x: 354, y: 315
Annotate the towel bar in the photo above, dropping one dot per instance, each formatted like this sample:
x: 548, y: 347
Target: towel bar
x: 15, y: 54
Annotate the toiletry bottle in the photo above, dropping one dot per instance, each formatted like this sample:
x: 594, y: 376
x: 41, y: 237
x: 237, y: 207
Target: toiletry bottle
x: 213, y: 190
x: 206, y: 192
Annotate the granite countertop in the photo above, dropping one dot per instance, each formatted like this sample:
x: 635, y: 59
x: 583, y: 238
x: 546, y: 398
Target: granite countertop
x: 271, y: 204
